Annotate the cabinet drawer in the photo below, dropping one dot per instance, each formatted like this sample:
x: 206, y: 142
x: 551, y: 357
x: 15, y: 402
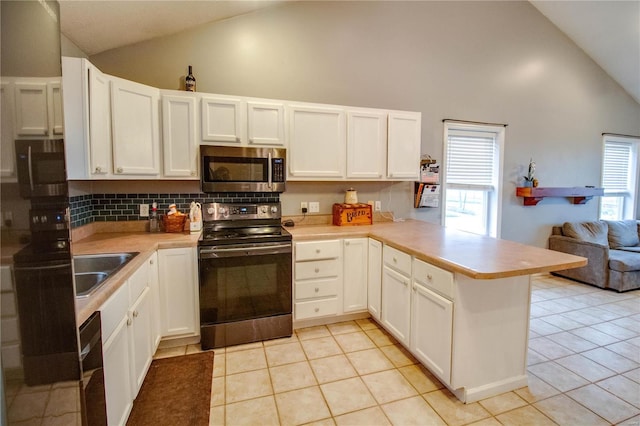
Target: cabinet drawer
x: 313, y: 250
x: 434, y: 278
x: 317, y: 269
x: 320, y: 288
x: 114, y: 310
x: 397, y: 260
x: 138, y: 282
x: 316, y: 308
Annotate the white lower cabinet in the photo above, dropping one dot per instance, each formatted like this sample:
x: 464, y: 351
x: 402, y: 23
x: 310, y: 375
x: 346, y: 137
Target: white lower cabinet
x: 374, y: 278
x: 154, y: 287
x: 178, y: 279
x: 330, y: 278
x: 140, y: 340
x: 355, y: 274
x: 128, y: 348
x: 9, y: 329
x: 116, y: 356
x: 317, y: 278
x: 396, y: 300
x: 431, y: 330
x: 396, y: 293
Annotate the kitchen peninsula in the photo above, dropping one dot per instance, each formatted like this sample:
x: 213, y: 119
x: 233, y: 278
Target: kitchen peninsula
x: 459, y: 302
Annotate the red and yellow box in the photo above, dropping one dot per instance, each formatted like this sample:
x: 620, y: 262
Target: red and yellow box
x: 352, y: 214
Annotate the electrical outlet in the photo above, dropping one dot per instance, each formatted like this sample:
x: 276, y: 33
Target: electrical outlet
x: 314, y: 207
x: 144, y: 210
x: 378, y: 206
x: 304, y: 207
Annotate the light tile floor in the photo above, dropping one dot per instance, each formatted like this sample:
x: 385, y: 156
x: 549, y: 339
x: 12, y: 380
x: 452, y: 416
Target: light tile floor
x: 584, y: 369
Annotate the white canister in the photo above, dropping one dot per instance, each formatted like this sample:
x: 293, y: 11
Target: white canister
x: 351, y: 196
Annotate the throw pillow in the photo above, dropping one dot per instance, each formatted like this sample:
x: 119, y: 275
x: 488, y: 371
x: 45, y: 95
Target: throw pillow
x: 623, y: 233
x: 593, y: 232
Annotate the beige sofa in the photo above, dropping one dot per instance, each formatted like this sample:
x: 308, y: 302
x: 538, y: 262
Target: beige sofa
x: 612, y: 248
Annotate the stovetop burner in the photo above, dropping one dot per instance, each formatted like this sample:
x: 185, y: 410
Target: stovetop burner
x: 228, y: 223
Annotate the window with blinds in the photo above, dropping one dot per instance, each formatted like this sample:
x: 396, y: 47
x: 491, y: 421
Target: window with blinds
x: 470, y: 159
x: 619, y: 178
x: 471, y: 187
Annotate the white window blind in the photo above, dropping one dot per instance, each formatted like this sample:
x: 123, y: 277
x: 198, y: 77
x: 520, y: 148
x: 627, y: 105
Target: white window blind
x: 616, y: 167
x: 470, y: 159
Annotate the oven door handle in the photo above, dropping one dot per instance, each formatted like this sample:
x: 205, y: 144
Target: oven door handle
x: 244, y: 251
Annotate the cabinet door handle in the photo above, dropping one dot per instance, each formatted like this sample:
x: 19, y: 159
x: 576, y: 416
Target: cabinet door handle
x: 317, y: 250
x: 317, y: 309
x: 193, y: 173
x: 135, y: 314
x: 317, y: 289
x: 129, y: 321
x: 317, y: 270
x: 346, y: 243
x: 395, y: 260
x: 151, y: 262
x: 98, y: 169
x: 429, y: 277
x: 119, y: 170
x: 406, y: 283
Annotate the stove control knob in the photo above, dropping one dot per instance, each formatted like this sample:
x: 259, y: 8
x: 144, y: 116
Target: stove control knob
x: 274, y: 209
x: 264, y: 209
x: 211, y: 210
x: 223, y: 211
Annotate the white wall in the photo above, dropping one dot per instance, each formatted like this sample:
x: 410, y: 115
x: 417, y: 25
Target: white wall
x: 500, y: 62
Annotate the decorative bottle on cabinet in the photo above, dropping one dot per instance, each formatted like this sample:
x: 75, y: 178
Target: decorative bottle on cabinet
x: 190, y: 81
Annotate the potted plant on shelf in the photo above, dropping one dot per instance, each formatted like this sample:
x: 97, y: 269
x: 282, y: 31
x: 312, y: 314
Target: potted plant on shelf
x: 529, y: 179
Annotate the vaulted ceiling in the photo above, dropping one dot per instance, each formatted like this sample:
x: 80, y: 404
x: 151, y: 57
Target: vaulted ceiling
x: 608, y: 31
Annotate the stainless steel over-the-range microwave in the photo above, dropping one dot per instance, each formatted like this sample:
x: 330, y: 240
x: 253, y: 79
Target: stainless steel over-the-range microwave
x: 242, y: 169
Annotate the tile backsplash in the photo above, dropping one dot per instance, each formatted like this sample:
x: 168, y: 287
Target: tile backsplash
x: 90, y: 208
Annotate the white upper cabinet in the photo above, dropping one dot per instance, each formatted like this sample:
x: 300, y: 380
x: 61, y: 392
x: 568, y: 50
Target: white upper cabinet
x: 136, y: 143
x: 265, y: 123
x: 7, y: 153
x: 87, y: 119
x: 112, y: 130
x: 221, y: 119
x: 99, y: 101
x: 366, y: 144
x: 403, y: 145
x: 31, y: 109
x: 179, y: 140
x: 54, y: 104
x: 317, y: 142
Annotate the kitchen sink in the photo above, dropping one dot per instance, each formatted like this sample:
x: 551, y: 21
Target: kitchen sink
x: 91, y: 270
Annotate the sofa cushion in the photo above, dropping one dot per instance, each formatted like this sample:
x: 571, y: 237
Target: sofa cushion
x: 624, y: 261
x: 635, y: 249
x: 593, y: 232
x: 623, y: 233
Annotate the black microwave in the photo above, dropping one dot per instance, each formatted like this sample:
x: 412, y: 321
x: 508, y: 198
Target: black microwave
x: 41, y: 168
x: 241, y: 169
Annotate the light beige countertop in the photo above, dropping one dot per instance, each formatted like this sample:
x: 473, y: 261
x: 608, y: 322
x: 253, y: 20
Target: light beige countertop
x: 117, y: 242
x: 476, y: 256
x: 473, y: 255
